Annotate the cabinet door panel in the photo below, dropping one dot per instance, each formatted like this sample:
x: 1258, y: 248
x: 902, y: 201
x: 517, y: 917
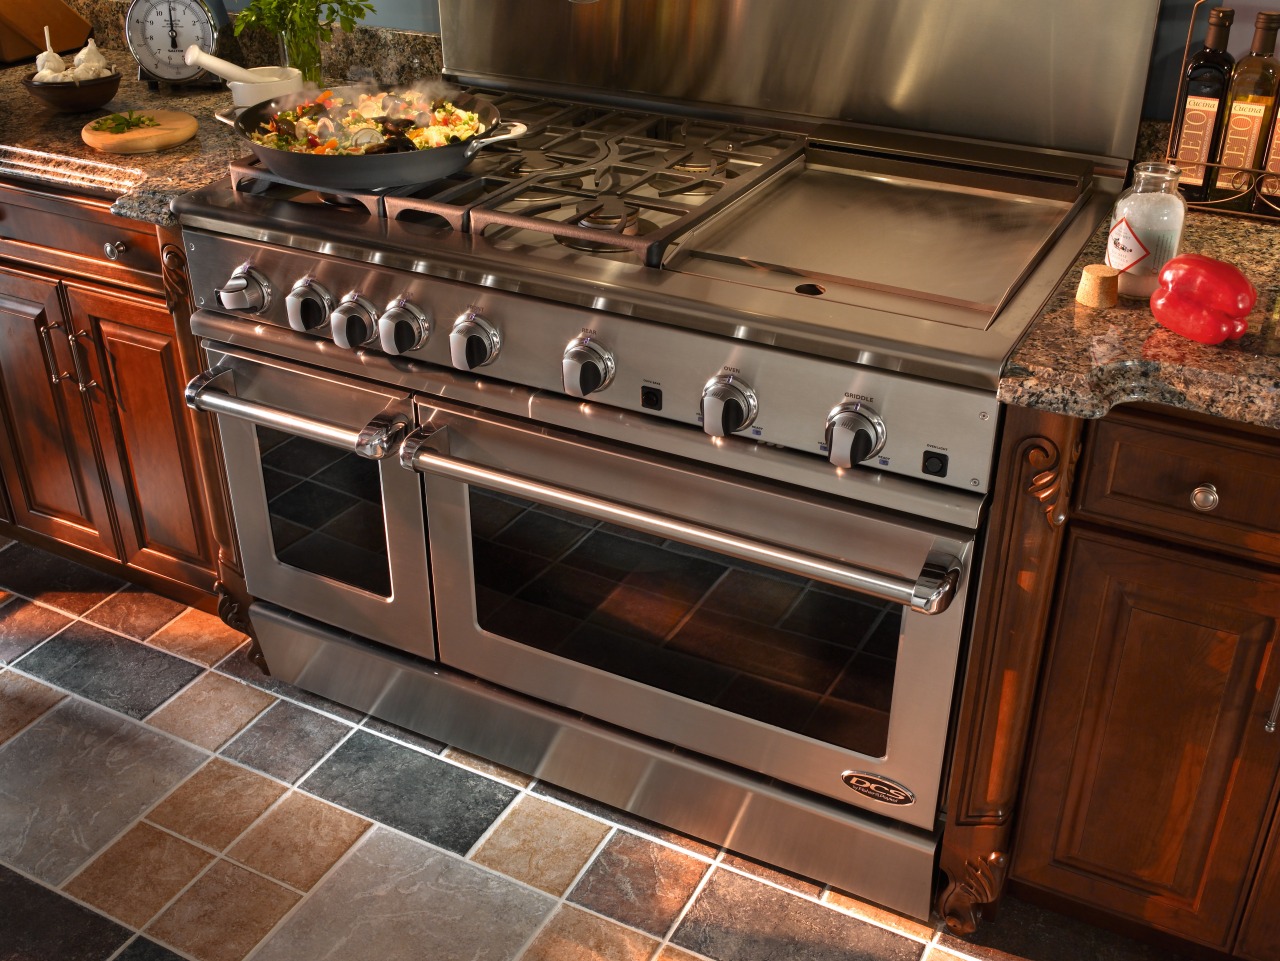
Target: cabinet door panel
x: 1260, y: 936
x: 153, y: 472
x: 50, y: 464
x: 1152, y: 772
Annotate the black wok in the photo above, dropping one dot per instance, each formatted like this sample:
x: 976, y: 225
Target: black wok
x: 370, y: 171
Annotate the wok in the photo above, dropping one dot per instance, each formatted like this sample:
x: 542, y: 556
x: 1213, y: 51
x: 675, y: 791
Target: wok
x: 370, y: 171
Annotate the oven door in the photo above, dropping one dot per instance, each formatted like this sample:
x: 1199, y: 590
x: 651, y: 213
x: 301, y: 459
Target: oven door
x: 327, y: 523
x: 795, y: 635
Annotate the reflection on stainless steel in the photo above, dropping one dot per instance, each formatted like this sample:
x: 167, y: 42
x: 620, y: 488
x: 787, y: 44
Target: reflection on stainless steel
x: 1079, y: 68
x: 699, y: 395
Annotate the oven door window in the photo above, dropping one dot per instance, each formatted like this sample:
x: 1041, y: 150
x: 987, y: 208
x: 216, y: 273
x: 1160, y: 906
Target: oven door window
x: 325, y: 510
x: 792, y: 653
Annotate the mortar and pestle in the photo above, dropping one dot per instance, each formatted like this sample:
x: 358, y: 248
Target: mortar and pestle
x: 251, y: 85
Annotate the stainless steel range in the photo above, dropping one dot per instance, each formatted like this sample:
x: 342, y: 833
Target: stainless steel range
x: 649, y: 454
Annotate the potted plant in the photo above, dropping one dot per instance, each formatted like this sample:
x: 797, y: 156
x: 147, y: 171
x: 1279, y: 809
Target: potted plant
x: 302, y: 25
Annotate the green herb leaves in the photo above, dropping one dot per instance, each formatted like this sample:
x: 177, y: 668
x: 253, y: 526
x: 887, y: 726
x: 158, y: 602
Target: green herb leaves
x: 124, y: 122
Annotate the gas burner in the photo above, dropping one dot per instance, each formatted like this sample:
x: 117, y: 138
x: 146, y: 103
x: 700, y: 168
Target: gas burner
x: 536, y: 161
x: 696, y: 160
x: 612, y: 217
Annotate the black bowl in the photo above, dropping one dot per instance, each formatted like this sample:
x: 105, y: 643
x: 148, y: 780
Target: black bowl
x: 74, y: 96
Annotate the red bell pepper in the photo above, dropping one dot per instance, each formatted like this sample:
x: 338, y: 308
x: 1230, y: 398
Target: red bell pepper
x: 1203, y: 299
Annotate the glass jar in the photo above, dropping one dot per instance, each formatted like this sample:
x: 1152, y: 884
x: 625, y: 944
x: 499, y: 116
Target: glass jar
x: 1146, y: 228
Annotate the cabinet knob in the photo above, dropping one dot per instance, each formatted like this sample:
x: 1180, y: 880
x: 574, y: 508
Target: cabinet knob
x: 1204, y: 497
x: 112, y: 251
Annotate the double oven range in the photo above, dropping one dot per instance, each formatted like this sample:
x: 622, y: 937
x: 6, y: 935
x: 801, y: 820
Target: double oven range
x: 649, y: 454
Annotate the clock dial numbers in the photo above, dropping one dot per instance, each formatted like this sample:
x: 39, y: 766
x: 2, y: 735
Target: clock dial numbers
x: 158, y: 33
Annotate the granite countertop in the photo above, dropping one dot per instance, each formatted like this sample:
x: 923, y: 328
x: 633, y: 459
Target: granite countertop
x: 44, y: 146
x: 1080, y: 361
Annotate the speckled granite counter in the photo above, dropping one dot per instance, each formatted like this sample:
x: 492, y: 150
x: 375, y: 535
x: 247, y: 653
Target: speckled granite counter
x: 43, y: 146
x: 1082, y: 362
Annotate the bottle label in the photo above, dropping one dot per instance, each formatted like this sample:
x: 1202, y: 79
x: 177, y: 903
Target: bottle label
x: 1240, y: 143
x: 1269, y: 184
x: 1198, y: 118
x: 1140, y: 251
x: 1125, y: 249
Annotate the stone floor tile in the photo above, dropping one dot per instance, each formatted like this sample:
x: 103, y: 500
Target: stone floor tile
x: 410, y: 791
x: 542, y: 844
x: 485, y: 766
x: 639, y: 882
x: 43, y: 925
x: 878, y: 915
x: 298, y: 840
x: 144, y: 949
x: 210, y: 711
x: 397, y: 899
x: 402, y: 734
x: 671, y: 953
x: 54, y: 580
x: 198, y: 636
x: 138, y: 875
x: 224, y: 914
x: 765, y: 872
x: 135, y: 612
x: 575, y: 935
x: 22, y: 700
x: 635, y: 825
x: 75, y: 779
x: 215, y: 805
x: 773, y: 925
x: 286, y: 741
x: 114, y: 671
x: 23, y: 625
x: 237, y: 665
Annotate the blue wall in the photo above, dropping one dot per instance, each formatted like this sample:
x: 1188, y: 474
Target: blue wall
x: 421, y: 15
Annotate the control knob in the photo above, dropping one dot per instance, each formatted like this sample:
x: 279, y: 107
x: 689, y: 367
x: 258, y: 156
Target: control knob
x: 728, y: 405
x: 307, y: 305
x: 353, y: 322
x: 855, y: 433
x: 403, y: 327
x: 246, y: 290
x: 586, y: 367
x: 473, y: 342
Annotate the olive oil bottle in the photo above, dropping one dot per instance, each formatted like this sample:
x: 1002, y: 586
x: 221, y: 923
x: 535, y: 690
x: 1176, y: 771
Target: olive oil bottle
x: 1202, y: 106
x: 1251, y: 104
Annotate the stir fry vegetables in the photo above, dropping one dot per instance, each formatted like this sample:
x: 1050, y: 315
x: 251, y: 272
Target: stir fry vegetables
x: 383, y: 122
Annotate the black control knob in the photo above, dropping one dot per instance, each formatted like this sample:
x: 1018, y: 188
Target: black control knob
x: 307, y: 305
x: 473, y: 342
x: 586, y: 368
x: 855, y: 433
x: 353, y: 322
x: 403, y: 327
x: 728, y: 406
x: 246, y: 290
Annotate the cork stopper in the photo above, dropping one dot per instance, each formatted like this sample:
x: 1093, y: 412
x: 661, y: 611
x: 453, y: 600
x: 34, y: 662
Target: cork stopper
x: 1099, y: 286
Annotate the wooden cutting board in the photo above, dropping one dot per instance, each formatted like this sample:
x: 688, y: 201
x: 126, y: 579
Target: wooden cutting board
x: 174, y: 127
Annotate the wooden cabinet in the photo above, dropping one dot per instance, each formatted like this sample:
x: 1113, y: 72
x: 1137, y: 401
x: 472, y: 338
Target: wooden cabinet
x: 1152, y: 785
x: 97, y: 450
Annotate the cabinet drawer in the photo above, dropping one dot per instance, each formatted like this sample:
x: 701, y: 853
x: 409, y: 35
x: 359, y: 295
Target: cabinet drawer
x: 73, y: 237
x: 1150, y: 472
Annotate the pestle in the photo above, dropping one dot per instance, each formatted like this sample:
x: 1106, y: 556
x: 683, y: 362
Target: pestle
x: 195, y: 57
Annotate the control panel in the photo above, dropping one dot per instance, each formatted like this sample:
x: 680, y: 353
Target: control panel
x: 856, y: 417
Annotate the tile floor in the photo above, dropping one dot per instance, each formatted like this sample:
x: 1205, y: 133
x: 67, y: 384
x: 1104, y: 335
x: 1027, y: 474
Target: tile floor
x: 161, y: 799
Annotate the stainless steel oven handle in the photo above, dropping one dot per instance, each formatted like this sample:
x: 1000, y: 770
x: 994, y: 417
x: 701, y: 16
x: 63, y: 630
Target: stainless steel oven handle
x: 375, y: 440
x: 426, y: 450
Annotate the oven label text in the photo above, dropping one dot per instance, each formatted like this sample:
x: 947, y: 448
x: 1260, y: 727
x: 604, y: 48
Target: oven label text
x: 878, y: 788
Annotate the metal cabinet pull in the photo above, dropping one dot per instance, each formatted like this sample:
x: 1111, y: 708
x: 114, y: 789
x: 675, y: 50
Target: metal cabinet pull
x: 375, y: 440
x: 83, y: 381
x: 426, y: 450
x: 1274, y: 718
x: 50, y: 358
x: 1204, y: 498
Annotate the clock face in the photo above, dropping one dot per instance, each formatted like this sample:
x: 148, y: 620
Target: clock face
x: 158, y: 33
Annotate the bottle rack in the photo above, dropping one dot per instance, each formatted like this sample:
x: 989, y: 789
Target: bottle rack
x: 1247, y: 182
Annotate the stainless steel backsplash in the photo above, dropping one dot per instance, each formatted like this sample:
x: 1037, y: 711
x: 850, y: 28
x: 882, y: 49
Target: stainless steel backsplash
x: 1064, y: 74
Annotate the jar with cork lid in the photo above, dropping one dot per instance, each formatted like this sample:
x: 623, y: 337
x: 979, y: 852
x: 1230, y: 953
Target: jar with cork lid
x: 1146, y: 228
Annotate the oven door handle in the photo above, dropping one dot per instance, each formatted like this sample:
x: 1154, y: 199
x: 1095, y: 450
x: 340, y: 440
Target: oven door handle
x: 426, y: 450
x: 375, y: 440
